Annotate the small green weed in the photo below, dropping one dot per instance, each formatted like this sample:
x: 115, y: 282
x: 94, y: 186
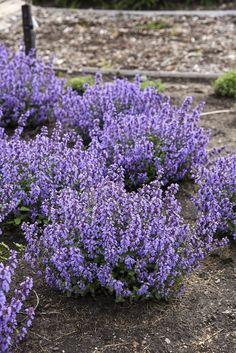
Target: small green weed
x: 152, y: 26
x: 225, y: 85
x: 157, y: 84
x: 78, y: 83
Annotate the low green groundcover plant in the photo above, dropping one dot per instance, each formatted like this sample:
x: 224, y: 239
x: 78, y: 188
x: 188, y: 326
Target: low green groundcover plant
x: 79, y: 84
x: 225, y: 85
x: 157, y: 84
x: 131, y: 4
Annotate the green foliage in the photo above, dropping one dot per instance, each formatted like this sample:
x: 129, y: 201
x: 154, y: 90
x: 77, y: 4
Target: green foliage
x: 136, y: 5
x: 23, y: 215
x: 105, y: 4
x: 78, y: 83
x: 60, y: 74
x: 157, y: 84
x: 4, y: 252
x: 130, y: 4
x: 152, y: 25
x: 225, y: 86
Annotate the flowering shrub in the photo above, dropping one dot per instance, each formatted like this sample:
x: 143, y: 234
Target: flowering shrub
x: 113, y: 98
x: 216, y: 197
x: 31, y: 170
x: 140, y: 130
x: 28, y: 89
x: 167, y: 141
x: 91, y: 225
x: 12, y: 328
x: 133, y: 245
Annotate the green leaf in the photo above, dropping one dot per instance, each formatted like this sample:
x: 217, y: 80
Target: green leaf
x: 24, y: 209
x: 119, y: 299
x: 20, y: 247
x: 4, y: 246
x: 17, y: 221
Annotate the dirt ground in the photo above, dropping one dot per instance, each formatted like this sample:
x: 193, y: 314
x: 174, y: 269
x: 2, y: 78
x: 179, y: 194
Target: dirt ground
x: 203, y: 320
x: 160, y: 43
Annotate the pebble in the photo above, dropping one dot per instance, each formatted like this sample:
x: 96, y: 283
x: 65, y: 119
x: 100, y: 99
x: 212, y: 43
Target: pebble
x: 167, y: 341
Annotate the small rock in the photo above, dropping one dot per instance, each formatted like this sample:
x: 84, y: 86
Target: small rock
x: 167, y: 341
x: 227, y: 312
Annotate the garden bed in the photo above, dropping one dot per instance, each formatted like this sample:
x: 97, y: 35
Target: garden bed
x: 202, y: 321
x: 175, y: 43
x: 37, y: 177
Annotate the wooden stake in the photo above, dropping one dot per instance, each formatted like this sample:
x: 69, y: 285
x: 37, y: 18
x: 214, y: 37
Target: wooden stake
x: 29, y: 34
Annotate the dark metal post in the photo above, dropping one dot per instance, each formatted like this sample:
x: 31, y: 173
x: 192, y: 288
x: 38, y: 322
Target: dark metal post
x: 29, y: 34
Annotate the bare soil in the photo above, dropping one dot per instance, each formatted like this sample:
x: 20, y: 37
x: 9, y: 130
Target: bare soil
x: 201, y: 321
x: 83, y: 39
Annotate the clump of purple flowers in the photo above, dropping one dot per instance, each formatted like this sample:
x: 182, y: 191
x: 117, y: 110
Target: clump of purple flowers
x: 164, y: 141
x: 15, y: 319
x: 140, y: 130
x: 31, y: 170
x: 101, y: 214
x: 29, y: 89
x: 216, y: 197
x: 119, y: 96
x: 132, y: 244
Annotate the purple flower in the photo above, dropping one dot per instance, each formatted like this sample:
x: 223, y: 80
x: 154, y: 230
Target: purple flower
x: 103, y: 237
x: 12, y: 330
x: 216, y: 198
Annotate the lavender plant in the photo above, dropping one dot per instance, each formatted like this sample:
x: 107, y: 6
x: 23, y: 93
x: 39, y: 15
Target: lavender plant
x: 15, y: 318
x: 141, y: 130
x: 167, y: 142
x: 216, y: 197
x: 120, y: 96
x: 31, y: 170
x: 29, y: 89
x: 133, y: 245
